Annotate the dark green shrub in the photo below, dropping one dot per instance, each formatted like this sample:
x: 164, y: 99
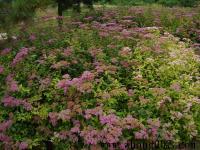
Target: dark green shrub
x: 188, y: 3
x: 169, y: 3
x: 185, y: 3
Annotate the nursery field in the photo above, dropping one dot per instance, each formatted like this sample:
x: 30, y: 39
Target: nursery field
x: 107, y: 77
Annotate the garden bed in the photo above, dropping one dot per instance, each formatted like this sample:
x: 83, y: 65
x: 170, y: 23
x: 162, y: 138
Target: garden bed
x: 106, y: 78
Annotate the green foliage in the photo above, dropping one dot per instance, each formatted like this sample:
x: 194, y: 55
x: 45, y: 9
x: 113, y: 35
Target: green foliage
x: 170, y: 3
x: 185, y: 3
x: 20, y: 10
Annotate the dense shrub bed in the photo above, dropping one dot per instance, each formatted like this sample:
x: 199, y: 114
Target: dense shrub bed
x: 181, y: 22
x: 101, y: 80
x: 169, y: 3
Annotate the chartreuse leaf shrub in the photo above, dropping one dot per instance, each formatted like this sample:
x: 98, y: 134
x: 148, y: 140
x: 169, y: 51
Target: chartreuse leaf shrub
x: 99, y: 81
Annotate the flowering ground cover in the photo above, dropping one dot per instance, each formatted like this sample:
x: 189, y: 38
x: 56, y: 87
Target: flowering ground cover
x: 105, y: 78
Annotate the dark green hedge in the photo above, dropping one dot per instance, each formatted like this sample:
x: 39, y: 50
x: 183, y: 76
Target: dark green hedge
x: 170, y: 3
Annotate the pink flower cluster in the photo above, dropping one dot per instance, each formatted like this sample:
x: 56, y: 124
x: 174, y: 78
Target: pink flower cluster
x: 123, y: 145
x: 67, y: 134
x: 53, y: 116
x: 32, y: 37
x: 9, y: 101
x: 101, y: 67
x: 77, y: 82
x: 94, y: 51
x: 114, y: 125
x: 5, y: 125
x: 63, y: 115
x: 97, y: 111
x: 11, y: 83
x: 111, y: 134
x: 125, y: 52
x: 76, y: 128
x: 23, y: 146
x: 68, y: 51
x: 1, y: 69
x: 5, y: 51
x: 176, y: 86
x: 20, y: 56
x: 91, y: 136
x: 4, y: 138
x: 154, y: 123
x: 110, y: 119
x: 142, y: 134
x: 130, y: 123
x: 131, y: 92
x: 60, y: 64
x: 151, y: 132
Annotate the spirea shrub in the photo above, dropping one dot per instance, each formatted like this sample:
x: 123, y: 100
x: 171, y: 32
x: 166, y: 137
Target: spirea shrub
x: 98, y: 82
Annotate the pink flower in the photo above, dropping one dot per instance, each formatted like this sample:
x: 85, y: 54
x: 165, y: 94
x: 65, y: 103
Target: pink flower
x: 20, y: 56
x: 111, y: 134
x: 66, y: 76
x: 87, y: 76
x: 103, y: 34
x: 85, y: 87
x: 50, y: 41
x: 73, y: 137
x: 109, y: 119
x: 88, y: 116
x: 123, y: 145
x: 114, y: 60
x: 53, y: 116
x: 154, y: 123
x: 91, y: 136
x: 80, y: 83
x: 5, y: 51
x: 158, y: 91
x: 125, y: 51
x: 23, y: 146
x: 106, y: 96
x: 130, y: 92
x: 60, y: 64
x: 67, y: 52
x: 75, y: 129
x: 11, y: 83
x: 62, y: 135
x: 126, y: 34
x: 176, y: 87
x: 168, y: 136
x: 1, y: 69
x: 59, y: 17
x: 142, y: 134
x: 14, y: 86
x: 4, y: 138
x: 97, y: 111
x: 154, y: 133
x: 129, y: 122
x: 94, y: 51
x: 32, y: 37
x: 112, y: 46
x: 88, y: 18
x: 5, y: 125
x: 9, y: 101
x: 27, y: 105
x: 65, y: 114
